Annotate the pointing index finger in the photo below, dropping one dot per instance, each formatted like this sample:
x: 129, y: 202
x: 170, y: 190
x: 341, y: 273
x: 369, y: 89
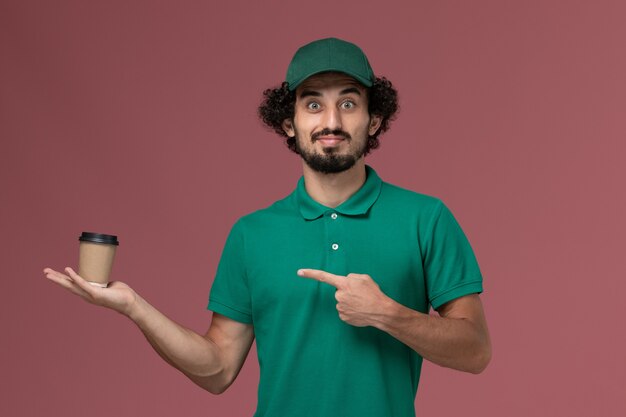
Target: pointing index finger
x: 323, y: 276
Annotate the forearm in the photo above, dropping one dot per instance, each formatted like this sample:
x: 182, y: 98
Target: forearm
x: 450, y: 342
x: 198, y: 357
x: 187, y: 351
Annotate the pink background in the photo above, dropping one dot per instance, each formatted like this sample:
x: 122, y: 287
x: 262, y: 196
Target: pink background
x: 138, y: 119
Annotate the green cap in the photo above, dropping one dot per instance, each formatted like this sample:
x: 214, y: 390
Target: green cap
x: 329, y: 54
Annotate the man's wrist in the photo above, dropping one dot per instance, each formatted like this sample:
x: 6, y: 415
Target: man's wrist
x: 394, y: 316
x: 136, y: 309
x: 388, y: 314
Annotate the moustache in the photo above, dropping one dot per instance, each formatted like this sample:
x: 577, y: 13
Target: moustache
x: 327, y: 132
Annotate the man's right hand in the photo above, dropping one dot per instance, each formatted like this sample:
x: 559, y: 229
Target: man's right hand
x: 117, y: 296
x: 211, y: 361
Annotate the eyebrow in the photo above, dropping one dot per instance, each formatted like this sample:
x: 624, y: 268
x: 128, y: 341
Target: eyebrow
x: 313, y: 93
x: 307, y: 93
x: 350, y: 90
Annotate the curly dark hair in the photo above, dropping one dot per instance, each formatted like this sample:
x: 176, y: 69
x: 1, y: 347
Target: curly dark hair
x: 278, y: 105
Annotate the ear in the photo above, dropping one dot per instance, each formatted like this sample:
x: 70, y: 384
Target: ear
x: 288, y: 128
x: 375, y: 122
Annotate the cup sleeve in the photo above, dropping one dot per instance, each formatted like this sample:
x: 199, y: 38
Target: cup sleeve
x: 230, y: 293
x: 450, y: 266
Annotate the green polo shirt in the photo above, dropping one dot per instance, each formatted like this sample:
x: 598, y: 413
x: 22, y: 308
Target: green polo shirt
x: 311, y: 362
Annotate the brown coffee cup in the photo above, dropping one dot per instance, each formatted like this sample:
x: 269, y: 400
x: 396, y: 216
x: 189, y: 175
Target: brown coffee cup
x: 96, y: 254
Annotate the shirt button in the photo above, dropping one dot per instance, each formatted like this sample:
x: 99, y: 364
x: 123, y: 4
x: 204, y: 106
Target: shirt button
x: 335, y: 246
x: 333, y: 216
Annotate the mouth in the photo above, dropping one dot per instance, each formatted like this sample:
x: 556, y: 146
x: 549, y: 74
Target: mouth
x: 330, y: 140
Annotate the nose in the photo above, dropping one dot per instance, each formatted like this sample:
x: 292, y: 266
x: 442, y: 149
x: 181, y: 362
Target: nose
x: 332, y: 118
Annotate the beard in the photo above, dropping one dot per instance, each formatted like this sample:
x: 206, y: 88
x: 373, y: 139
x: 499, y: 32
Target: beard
x: 329, y: 162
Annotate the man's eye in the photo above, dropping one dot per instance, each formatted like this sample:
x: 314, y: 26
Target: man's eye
x: 347, y: 105
x: 313, y: 105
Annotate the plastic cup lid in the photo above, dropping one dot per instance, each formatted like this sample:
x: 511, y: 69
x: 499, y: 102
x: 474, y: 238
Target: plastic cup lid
x: 98, y: 238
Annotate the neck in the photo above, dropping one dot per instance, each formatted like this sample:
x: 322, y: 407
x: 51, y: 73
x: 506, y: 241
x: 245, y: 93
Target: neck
x: 331, y: 190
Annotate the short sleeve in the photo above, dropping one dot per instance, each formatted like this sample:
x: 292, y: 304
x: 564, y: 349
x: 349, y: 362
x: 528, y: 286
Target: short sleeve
x: 230, y: 294
x: 450, y: 267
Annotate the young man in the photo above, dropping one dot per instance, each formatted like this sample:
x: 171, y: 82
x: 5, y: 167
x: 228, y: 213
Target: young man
x: 336, y: 280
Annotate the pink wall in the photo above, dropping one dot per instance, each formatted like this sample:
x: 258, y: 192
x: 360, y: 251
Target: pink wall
x: 138, y: 119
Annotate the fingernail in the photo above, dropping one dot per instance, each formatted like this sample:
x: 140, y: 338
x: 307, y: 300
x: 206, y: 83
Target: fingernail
x: 300, y: 272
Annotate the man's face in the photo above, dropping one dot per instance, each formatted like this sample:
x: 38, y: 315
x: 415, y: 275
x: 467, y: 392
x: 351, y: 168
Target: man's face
x: 331, y: 124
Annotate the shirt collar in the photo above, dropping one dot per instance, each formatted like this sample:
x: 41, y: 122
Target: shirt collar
x: 358, y: 204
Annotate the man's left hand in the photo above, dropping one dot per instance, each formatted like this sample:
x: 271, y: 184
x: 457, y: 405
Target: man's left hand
x: 360, y: 302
